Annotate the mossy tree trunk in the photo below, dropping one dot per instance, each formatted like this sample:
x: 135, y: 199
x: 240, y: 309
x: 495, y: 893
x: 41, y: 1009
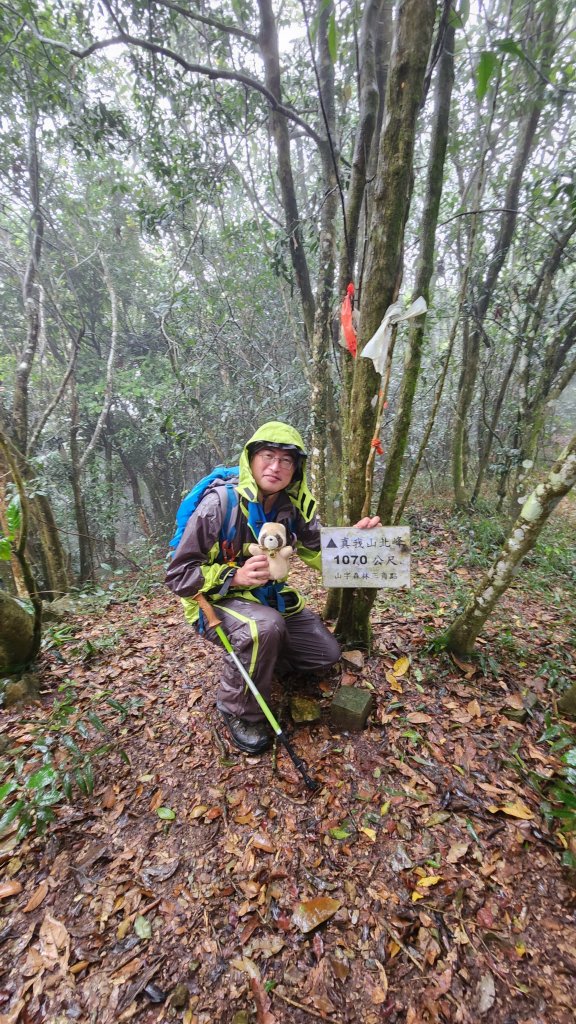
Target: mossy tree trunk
x: 391, y: 203
x: 26, y: 640
x: 373, y: 49
x: 424, y: 271
x: 322, y: 335
x: 461, y: 635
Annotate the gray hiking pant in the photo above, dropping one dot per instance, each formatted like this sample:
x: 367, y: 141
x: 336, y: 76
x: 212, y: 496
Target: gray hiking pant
x: 265, y: 640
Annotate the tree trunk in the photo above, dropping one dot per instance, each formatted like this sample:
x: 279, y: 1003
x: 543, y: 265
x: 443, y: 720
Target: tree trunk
x: 30, y: 295
x: 322, y: 337
x: 443, y: 96
x: 392, y: 195
x: 468, y: 374
x: 136, y: 492
x: 268, y: 42
x: 374, y: 48
x: 462, y: 634
x: 55, y: 562
x: 20, y: 638
x: 16, y: 635
x: 110, y: 524
x: 86, y: 555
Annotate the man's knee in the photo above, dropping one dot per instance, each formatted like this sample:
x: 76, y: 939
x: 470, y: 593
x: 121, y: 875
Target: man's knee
x: 271, y: 628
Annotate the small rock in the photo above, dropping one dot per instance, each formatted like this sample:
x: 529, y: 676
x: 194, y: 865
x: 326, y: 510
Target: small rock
x: 354, y: 658
x: 303, y: 710
x: 179, y: 998
x: 399, y: 859
x: 567, y: 702
x: 515, y: 714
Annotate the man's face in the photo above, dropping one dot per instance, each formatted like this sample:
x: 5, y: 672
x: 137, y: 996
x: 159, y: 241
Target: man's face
x: 272, y: 469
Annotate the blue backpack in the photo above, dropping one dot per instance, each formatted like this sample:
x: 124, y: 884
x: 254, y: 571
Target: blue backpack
x: 189, y: 504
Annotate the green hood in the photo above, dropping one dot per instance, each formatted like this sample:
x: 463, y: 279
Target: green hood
x: 298, y: 492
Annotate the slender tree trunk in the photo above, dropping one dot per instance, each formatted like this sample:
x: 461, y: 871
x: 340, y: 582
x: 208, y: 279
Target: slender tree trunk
x: 556, y: 372
x: 268, y: 42
x: 430, y: 424
x: 392, y: 195
x: 111, y: 495
x: 322, y: 337
x: 461, y: 635
x: 86, y: 555
x: 466, y: 383
x: 443, y: 96
x: 492, y: 426
x: 30, y: 294
x: 136, y: 492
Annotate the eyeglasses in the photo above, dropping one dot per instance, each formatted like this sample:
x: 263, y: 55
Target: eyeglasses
x: 268, y: 456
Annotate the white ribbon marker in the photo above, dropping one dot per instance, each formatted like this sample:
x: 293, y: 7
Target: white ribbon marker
x: 377, y: 348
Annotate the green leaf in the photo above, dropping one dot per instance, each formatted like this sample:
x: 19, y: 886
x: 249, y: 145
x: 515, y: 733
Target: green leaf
x: 570, y: 757
x: 510, y: 46
x: 339, y: 833
x: 333, y: 38
x: 96, y: 722
x: 43, y: 777
x: 14, y: 516
x: 12, y: 812
x: 5, y: 550
x: 464, y: 10
x: 142, y: 927
x: 49, y: 797
x: 81, y: 781
x: 89, y: 777
x: 486, y: 67
x: 166, y: 813
x: 43, y: 817
x: 7, y: 788
x: 67, y: 786
x: 568, y: 859
x: 68, y: 742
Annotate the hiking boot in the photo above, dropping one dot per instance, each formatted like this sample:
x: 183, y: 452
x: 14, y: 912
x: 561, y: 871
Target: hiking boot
x: 251, y: 737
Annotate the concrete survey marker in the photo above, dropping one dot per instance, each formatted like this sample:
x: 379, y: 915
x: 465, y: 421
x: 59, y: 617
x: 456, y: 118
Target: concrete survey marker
x: 350, y: 708
x: 366, y: 558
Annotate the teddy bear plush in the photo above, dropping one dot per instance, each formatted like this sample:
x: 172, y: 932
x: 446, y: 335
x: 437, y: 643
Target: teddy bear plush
x: 272, y: 542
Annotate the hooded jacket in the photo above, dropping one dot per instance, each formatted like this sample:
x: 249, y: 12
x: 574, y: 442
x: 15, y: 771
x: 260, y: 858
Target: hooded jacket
x: 199, y: 565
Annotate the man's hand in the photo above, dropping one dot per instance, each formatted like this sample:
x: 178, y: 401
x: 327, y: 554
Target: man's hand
x: 254, y: 572
x: 368, y: 523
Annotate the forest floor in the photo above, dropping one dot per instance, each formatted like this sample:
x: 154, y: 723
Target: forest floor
x: 435, y: 851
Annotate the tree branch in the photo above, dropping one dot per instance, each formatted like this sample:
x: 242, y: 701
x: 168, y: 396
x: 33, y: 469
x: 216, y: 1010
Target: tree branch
x: 212, y: 22
x: 197, y: 69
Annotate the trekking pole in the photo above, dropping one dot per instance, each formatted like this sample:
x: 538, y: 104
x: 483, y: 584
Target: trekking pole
x: 214, y: 622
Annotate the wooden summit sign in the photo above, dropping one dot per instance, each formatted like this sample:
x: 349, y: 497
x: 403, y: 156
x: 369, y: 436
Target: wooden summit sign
x: 366, y: 558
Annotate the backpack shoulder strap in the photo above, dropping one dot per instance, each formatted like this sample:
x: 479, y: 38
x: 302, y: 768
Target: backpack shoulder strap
x: 229, y: 504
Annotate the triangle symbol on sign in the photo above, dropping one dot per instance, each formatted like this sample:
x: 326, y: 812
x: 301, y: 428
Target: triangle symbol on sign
x: 331, y: 544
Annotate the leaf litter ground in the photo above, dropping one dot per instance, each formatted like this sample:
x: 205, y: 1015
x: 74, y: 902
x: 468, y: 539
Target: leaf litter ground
x: 421, y: 884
